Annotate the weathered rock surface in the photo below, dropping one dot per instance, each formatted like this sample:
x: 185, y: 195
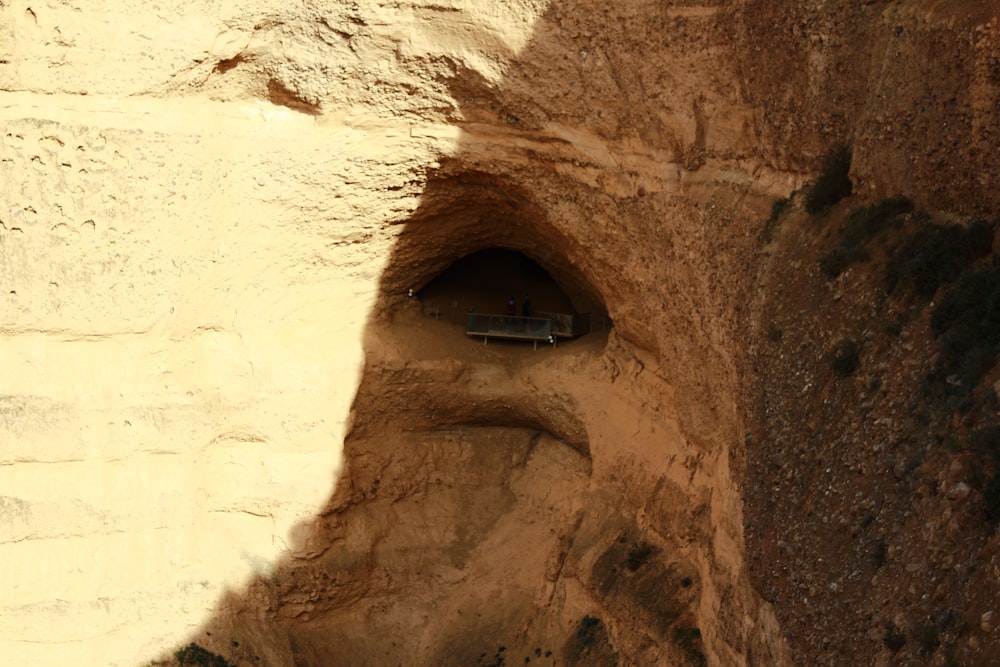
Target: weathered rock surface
x: 224, y: 420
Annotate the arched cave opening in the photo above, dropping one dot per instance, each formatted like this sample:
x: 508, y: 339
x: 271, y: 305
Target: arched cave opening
x: 485, y: 280
x: 511, y: 295
x: 478, y: 239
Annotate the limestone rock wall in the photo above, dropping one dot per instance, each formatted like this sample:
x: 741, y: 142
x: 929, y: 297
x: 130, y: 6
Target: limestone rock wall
x: 210, y: 216
x: 183, y: 312
x: 185, y: 284
x: 910, y: 86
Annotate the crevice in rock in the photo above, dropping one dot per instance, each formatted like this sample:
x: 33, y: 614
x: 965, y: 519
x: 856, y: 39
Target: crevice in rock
x: 281, y: 95
x: 227, y: 64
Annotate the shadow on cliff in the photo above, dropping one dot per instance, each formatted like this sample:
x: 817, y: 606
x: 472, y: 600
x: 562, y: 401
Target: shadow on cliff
x: 532, y: 156
x: 498, y: 190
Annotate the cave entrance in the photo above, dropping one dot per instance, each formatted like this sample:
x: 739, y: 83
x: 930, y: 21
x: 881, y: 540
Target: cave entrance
x: 502, y: 293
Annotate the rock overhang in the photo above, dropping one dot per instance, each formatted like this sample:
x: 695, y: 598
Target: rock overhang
x: 467, y: 212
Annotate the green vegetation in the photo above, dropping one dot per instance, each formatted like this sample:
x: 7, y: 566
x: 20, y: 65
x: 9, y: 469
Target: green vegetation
x: 587, y: 629
x: 935, y: 255
x: 638, y: 555
x: 777, y: 208
x: 928, y: 260
x: 689, y: 640
x: 880, y: 553
x: 985, y: 442
x: 845, y: 357
x: 928, y: 638
x: 861, y: 225
x: 944, y: 262
x: 590, y: 643
x: 833, y: 183
x: 498, y: 660
x: 967, y: 325
x: 864, y: 222
x: 893, y: 639
x: 929, y: 257
x: 835, y: 262
x: 935, y: 631
x: 195, y: 655
x: 991, y: 492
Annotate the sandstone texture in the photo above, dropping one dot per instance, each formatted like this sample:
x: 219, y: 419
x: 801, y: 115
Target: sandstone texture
x: 240, y: 411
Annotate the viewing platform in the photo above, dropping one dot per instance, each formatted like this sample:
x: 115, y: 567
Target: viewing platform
x: 546, y: 327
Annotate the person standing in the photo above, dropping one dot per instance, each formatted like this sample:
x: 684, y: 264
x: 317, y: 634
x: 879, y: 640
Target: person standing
x: 526, y: 306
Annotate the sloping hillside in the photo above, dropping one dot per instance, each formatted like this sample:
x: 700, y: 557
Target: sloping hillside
x: 872, y: 484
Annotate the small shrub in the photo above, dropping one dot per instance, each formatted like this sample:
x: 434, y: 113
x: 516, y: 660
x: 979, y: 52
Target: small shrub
x: 966, y: 322
x: 846, y: 357
x: 936, y: 255
x: 977, y: 241
x: 928, y: 638
x: 777, y: 208
x: 588, y: 631
x: 195, y: 655
x: 991, y: 493
x: 864, y: 222
x: 880, y: 554
x: 833, y: 263
x: 893, y: 639
x: 689, y: 640
x: 961, y: 356
x: 973, y: 303
x: 975, y: 364
x: 833, y: 183
x: 951, y: 658
x: 859, y: 226
x: 639, y: 555
x: 986, y: 440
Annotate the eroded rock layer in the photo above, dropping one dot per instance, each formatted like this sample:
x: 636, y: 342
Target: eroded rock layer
x: 239, y: 413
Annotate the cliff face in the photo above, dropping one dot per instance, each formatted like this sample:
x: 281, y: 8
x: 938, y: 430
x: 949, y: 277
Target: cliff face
x: 911, y: 86
x: 230, y: 423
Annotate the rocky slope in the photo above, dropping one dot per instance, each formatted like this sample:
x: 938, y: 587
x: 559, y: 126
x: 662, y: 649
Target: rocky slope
x: 871, y: 518
x: 233, y: 428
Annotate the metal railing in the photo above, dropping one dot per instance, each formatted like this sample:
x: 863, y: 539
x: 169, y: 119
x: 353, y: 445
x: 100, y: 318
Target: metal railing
x: 568, y: 326
x: 509, y: 326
